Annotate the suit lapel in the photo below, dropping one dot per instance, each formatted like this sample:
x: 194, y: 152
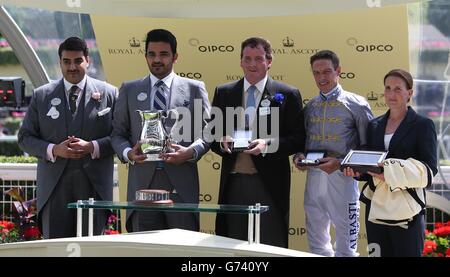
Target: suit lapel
x: 142, y: 87
x: 60, y: 93
x: 403, y: 129
x: 88, y: 101
x: 378, y: 135
x: 178, y: 93
x: 90, y: 106
x: 90, y: 88
x: 269, y: 91
x: 235, y: 97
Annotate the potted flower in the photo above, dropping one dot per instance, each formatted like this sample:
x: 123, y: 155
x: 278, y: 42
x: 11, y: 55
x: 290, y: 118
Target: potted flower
x: 8, y: 232
x: 111, y: 226
x: 25, y: 226
x: 437, y: 241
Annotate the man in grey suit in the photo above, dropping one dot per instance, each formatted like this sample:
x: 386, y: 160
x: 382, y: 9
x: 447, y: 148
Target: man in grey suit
x: 177, y: 172
x: 67, y: 127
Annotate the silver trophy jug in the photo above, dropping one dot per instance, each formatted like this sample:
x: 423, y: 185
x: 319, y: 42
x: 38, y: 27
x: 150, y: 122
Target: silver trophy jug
x: 154, y: 137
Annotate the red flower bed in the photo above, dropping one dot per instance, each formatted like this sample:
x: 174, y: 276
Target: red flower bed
x: 437, y: 241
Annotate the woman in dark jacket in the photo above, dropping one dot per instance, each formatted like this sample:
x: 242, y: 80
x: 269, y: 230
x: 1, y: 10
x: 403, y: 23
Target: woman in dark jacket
x: 407, y: 137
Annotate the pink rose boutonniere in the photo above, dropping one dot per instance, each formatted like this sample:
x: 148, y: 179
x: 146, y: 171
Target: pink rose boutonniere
x: 96, y: 96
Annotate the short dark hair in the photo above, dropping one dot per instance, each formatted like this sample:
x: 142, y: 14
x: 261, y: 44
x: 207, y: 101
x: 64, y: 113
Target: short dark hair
x: 73, y: 44
x: 254, y: 42
x: 161, y: 35
x: 402, y: 74
x: 325, y: 55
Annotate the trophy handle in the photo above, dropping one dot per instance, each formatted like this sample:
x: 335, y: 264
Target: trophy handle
x: 141, y: 114
x: 176, y: 114
x: 167, y: 135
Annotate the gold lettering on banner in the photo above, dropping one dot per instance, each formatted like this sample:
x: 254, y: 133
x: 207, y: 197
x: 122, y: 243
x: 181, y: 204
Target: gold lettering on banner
x: 279, y: 51
x: 124, y: 51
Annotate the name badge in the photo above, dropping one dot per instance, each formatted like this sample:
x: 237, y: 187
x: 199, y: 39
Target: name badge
x: 55, y: 101
x: 53, y: 113
x: 264, y: 110
x: 265, y: 103
x: 142, y: 96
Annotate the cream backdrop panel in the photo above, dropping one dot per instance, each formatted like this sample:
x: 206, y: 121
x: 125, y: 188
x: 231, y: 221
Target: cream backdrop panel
x: 369, y: 43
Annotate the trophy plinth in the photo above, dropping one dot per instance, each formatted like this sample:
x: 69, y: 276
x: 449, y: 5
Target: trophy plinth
x: 153, y: 197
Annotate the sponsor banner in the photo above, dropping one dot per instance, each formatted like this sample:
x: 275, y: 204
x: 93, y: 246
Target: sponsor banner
x: 369, y: 44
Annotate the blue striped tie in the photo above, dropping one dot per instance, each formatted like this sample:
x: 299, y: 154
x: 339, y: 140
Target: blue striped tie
x: 159, y: 102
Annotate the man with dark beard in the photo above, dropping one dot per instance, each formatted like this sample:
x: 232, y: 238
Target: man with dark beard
x: 67, y: 127
x: 177, y: 172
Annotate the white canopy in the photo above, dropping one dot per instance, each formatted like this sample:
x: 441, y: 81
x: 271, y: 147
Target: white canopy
x: 204, y: 8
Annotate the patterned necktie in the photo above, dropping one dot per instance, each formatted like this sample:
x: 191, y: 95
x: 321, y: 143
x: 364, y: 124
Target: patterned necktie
x: 159, y: 102
x: 250, y: 108
x: 73, y: 99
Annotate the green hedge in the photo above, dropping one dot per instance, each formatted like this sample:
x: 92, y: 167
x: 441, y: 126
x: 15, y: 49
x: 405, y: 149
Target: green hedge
x: 13, y: 124
x: 7, y: 56
x: 10, y: 148
x: 18, y: 159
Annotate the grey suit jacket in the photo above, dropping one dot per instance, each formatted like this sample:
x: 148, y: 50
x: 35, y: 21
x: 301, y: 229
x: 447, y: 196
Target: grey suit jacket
x: 38, y: 130
x: 127, y: 131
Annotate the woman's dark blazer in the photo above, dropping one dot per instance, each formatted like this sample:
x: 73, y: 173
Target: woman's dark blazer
x: 414, y: 138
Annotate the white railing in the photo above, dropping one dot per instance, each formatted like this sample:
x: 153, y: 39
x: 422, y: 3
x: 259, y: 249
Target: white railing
x: 17, y: 171
x: 24, y: 176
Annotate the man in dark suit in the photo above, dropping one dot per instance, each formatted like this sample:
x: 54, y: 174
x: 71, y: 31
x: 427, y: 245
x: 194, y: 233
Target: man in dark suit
x: 67, y: 127
x: 177, y: 173
x: 261, y: 173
